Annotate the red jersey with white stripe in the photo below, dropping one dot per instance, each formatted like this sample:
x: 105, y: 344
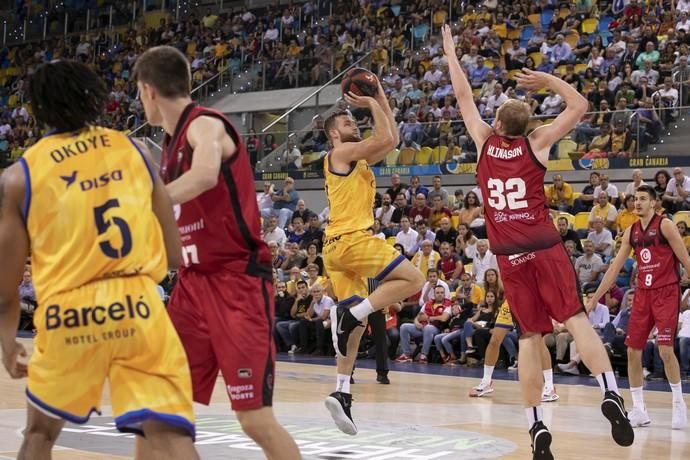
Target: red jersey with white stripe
x: 657, y: 264
x: 221, y: 228
x: 512, y: 184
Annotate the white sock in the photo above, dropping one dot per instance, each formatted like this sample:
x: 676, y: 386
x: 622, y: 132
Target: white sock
x: 607, y: 382
x: 362, y: 310
x: 534, y: 414
x: 343, y: 383
x: 488, y: 372
x: 637, y: 397
x: 548, y: 379
x: 677, y: 391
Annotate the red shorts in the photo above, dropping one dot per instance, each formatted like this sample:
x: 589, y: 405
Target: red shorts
x: 654, y: 307
x: 540, y: 285
x: 225, y: 323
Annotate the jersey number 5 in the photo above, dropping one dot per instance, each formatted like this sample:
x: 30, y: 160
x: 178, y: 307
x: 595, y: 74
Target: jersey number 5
x: 510, y: 193
x: 103, y: 224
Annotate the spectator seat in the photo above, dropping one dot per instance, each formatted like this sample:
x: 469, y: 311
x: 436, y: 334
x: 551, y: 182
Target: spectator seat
x: 406, y: 156
x: 581, y: 221
x: 424, y: 156
x: 682, y: 216
x: 589, y: 25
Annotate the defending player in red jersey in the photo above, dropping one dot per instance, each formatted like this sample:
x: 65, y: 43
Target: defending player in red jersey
x: 222, y: 305
x: 511, y: 168
x: 658, y: 247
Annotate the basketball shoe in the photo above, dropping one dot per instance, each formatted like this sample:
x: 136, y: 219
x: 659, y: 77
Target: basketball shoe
x: 549, y: 395
x: 342, y: 325
x: 679, y: 419
x: 541, y: 442
x: 639, y: 417
x: 481, y: 390
x: 339, y: 404
x: 613, y: 409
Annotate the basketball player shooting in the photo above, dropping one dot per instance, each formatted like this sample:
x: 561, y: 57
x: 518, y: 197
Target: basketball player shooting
x: 510, y: 171
x: 351, y: 256
x: 658, y: 247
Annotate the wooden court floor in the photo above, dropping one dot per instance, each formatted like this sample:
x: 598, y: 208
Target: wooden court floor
x: 419, y: 416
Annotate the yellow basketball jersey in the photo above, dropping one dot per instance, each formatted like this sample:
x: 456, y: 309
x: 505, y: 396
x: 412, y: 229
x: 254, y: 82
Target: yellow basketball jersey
x: 350, y: 198
x: 88, y: 211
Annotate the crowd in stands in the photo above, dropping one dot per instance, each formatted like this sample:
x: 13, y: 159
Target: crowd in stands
x: 450, y: 320
x: 629, y: 58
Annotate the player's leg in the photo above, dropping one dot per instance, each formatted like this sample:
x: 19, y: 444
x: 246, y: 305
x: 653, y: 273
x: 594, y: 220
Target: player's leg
x: 530, y: 374
x: 533, y: 321
x: 640, y: 325
x: 262, y: 426
x: 246, y: 356
x: 40, y: 434
x: 163, y: 442
x: 562, y: 298
x: 665, y: 310
x: 369, y: 257
x: 549, y: 392
x: 490, y: 358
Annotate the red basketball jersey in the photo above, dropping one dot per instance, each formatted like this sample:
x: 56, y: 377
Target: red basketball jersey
x: 657, y: 265
x: 221, y: 228
x: 512, y: 184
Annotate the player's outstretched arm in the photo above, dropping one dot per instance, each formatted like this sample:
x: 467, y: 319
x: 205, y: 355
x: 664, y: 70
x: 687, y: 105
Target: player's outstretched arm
x: 208, y: 139
x: 374, y: 148
x: 545, y: 136
x: 479, y: 130
x: 163, y: 209
x: 14, y: 247
x: 672, y: 235
x: 613, y: 270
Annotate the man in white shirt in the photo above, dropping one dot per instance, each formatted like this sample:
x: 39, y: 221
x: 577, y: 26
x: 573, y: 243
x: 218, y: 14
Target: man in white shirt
x: 631, y: 188
x: 317, y: 315
x: 589, y: 265
x: 385, y: 212
x: 684, y: 22
x: 551, y: 104
x: 407, y: 237
x: 605, y: 186
x: 428, y: 289
x: 483, y: 260
x: 494, y: 101
x: 433, y: 75
x: 274, y: 233
x: 263, y: 199
x: 601, y: 238
x: 677, y: 194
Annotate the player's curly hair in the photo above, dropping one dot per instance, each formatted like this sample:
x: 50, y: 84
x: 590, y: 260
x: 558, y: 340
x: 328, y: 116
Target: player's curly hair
x: 67, y: 95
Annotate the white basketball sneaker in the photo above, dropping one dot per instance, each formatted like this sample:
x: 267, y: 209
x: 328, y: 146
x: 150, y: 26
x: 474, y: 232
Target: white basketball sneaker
x: 549, y: 395
x: 679, y: 419
x: 639, y: 417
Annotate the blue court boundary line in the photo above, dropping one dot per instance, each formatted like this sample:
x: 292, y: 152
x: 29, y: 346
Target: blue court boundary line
x: 470, y: 372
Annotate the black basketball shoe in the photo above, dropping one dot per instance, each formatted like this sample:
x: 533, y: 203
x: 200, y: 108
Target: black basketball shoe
x: 613, y: 409
x: 541, y: 442
x: 339, y: 404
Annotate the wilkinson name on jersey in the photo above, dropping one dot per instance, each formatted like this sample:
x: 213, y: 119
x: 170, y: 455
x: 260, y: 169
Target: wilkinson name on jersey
x: 504, y: 154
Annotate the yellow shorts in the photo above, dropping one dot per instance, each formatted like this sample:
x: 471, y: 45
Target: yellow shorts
x: 115, y: 329
x: 353, y: 259
x: 504, y: 318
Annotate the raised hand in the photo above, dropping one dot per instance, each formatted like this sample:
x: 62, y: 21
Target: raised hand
x: 359, y: 101
x: 532, y: 80
x: 448, y: 43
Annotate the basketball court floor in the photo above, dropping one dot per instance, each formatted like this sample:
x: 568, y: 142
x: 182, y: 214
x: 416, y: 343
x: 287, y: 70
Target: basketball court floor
x: 424, y: 414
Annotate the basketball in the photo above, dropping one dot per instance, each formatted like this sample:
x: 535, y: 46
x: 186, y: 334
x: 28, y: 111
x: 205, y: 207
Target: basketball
x: 360, y: 82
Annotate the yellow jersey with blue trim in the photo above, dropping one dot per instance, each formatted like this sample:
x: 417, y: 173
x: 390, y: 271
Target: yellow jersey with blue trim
x: 350, y: 198
x: 88, y: 211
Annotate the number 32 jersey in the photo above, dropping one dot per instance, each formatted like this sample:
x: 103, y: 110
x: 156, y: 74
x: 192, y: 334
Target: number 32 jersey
x: 512, y: 183
x: 657, y: 265
x: 88, y: 211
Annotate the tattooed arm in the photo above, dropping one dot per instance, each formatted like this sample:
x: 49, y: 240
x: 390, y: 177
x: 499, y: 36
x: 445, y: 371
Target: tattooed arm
x: 14, y: 247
